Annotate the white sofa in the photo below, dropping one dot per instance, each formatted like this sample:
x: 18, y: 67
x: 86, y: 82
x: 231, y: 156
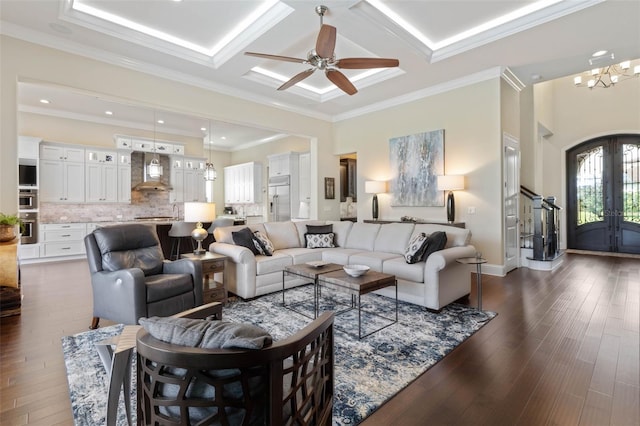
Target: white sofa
x: 433, y: 283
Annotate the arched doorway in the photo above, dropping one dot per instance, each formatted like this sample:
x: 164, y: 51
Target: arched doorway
x: 603, y: 194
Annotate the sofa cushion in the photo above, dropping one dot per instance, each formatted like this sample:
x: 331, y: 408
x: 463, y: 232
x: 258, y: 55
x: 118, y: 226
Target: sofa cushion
x: 416, y: 248
x: 302, y: 254
x: 201, y: 333
x: 362, y: 236
x: 456, y: 237
x: 275, y: 263
x: 403, y: 270
x: 315, y: 241
x: 282, y: 234
x: 341, y: 228
x: 373, y: 260
x: 393, y: 237
x: 339, y: 255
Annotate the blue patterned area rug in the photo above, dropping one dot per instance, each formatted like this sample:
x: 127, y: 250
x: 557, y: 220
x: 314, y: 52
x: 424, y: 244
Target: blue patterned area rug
x: 367, y: 372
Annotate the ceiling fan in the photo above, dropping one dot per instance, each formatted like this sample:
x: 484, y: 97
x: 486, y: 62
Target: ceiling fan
x: 323, y: 58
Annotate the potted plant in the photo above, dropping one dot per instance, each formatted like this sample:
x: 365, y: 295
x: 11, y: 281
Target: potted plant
x: 8, y: 224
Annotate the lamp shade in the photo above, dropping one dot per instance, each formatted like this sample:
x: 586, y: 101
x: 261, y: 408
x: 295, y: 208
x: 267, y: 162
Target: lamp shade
x: 450, y: 182
x: 375, y: 186
x: 199, y: 212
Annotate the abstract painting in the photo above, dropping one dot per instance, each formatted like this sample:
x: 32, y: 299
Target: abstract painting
x: 416, y: 161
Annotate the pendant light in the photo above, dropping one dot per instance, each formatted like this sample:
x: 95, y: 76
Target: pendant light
x: 210, y: 173
x: 154, y: 169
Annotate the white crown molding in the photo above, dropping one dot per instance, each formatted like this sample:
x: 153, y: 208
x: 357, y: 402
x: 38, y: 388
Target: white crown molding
x: 550, y: 13
x: 64, y: 45
x: 434, y: 54
x: 478, y: 77
x: 513, y: 80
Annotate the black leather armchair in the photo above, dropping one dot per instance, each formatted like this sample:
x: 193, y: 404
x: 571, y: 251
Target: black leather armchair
x: 131, y: 278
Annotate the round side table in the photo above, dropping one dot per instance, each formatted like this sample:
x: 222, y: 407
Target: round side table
x: 478, y: 261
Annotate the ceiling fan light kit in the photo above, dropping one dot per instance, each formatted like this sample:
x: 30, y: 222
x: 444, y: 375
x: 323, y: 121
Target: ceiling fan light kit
x: 323, y: 58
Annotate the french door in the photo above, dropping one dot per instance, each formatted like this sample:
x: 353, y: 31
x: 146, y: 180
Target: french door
x: 603, y: 211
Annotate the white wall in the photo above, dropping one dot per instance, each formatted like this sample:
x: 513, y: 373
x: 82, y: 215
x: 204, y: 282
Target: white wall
x: 470, y: 118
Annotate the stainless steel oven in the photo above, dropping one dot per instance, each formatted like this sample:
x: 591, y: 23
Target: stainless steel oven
x: 30, y: 227
x: 28, y: 199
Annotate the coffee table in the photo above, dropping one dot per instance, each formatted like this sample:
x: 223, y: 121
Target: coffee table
x: 303, y: 270
x: 357, y: 287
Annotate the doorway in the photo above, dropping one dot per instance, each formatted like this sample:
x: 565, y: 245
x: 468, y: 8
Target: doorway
x: 603, y: 195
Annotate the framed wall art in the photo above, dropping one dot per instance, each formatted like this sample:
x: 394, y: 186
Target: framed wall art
x: 329, y: 188
x: 416, y: 161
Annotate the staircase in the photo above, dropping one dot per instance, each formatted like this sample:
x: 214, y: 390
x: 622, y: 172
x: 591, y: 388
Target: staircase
x: 539, y: 230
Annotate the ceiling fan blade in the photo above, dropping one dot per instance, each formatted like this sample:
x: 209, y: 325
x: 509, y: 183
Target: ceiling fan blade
x: 341, y: 81
x: 326, y: 42
x: 365, y: 63
x: 297, y: 78
x: 276, y: 57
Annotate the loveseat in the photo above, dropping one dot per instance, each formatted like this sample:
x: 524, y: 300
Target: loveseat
x: 432, y: 283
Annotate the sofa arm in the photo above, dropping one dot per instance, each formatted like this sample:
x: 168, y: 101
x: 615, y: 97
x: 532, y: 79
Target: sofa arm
x: 119, y: 295
x: 187, y: 266
x: 440, y: 259
x: 241, y: 271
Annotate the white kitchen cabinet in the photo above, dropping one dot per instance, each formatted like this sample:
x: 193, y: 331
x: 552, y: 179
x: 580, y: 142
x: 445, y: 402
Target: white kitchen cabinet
x: 124, y: 142
x: 243, y: 183
x: 143, y: 145
x: 163, y: 148
x: 61, y: 152
x: 101, y: 173
x: 61, y: 173
x: 62, y: 239
x: 283, y: 164
x: 194, y: 186
x: 176, y: 179
x: 124, y: 177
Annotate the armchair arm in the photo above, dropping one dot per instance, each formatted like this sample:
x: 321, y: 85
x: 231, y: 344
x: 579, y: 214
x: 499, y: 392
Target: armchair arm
x: 119, y: 295
x: 187, y: 266
x: 237, y: 254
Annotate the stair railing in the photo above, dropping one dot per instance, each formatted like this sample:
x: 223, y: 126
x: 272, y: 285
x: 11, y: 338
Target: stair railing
x: 540, y: 225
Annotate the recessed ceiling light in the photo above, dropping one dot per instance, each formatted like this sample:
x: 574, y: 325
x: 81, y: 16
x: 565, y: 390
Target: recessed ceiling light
x: 160, y: 121
x: 204, y: 129
x: 224, y: 138
x: 109, y: 112
x: 45, y: 101
x: 599, y: 53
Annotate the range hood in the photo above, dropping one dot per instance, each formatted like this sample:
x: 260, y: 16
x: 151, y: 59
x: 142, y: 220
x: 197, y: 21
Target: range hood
x: 151, y: 183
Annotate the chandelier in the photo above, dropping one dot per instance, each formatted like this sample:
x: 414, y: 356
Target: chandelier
x: 608, y: 76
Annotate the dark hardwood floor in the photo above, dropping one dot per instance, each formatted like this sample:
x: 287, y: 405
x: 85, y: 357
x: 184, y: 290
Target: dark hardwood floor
x: 564, y: 350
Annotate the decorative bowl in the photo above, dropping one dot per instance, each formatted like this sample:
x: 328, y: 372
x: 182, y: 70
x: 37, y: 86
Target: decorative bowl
x: 355, y: 270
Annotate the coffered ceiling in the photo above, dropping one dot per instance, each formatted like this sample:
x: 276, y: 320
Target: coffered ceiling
x: 440, y: 44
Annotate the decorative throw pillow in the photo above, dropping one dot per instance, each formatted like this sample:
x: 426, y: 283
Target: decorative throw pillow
x: 200, y: 333
x: 436, y: 241
x: 245, y: 238
x: 320, y: 240
x: 416, y: 248
x: 266, y: 243
x: 319, y: 229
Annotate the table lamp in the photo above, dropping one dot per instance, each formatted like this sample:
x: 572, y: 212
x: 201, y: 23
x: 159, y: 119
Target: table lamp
x: 450, y: 183
x: 375, y: 187
x: 199, y: 212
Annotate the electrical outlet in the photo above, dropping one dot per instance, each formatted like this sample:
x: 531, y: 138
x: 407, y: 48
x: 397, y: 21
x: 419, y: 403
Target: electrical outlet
x: 471, y: 210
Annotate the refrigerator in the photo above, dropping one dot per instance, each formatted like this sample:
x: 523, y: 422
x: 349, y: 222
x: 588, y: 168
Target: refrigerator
x: 279, y: 199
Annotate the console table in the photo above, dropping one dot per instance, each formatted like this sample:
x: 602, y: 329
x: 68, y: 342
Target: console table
x: 421, y: 222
